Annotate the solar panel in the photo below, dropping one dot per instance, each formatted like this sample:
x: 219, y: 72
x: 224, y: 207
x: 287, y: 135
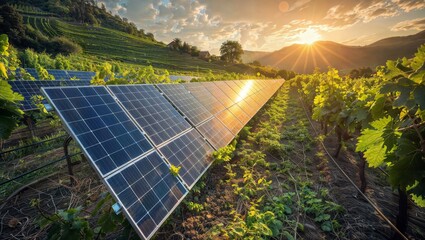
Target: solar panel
x: 154, y: 114
x: 204, y: 97
x: 28, y: 89
x: 239, y: 114
x: 105, y: 132
x: 216, y: 133
x: 81, y: 75
x: 245, y: 91
x: 232, y: 95
x: 147, y: 192
x: 190, y: 152
x: 110, y: 122
x: 58, y: 74
x: 218, y: 94
x: 235, y: 87
x: 32, y: 72
x: 249, y: 106
x: 185, y: 103
x: 230, y: 121
x: 240, y: 83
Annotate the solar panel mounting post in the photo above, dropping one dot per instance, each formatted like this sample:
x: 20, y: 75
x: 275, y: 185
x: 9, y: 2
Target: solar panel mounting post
x: 68, y: 159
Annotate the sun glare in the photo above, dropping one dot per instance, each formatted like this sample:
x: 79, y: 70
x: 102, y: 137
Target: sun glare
x: 309, y: 37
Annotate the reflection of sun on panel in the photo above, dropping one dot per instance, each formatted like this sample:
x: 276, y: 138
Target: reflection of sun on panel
x: 244, y: 91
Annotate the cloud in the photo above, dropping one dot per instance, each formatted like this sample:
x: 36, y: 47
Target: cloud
x: 258, y: 25
x: 349, y: 13
x: 410, y: 5
x: 414, y: 24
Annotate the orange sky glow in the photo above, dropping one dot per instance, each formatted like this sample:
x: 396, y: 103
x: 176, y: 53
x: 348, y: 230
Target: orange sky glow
x: 268, y: 25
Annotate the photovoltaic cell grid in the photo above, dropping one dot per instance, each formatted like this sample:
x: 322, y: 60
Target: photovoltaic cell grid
x: 216, y: 133
x: 143, y: 185
x: 191, y: 153
x: 147, y: 192
x: 58, y: 74
x: 28, y: 89
x: 204, y: 97
x: 232, y: 95
x: 185, y: 102
x: 154, y: 114
x: 98, y: 123
x: 218, y: 94
x: 81, y: 75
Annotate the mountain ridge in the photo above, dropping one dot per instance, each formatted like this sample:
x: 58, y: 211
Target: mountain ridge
x: 304, y: 58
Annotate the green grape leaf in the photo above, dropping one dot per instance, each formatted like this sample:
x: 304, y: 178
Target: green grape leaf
x: 418, y: 199
x: 419, y: 74
x: 405, y: 69
x: 403, y: 98
x: 377, y: 141
x: 417, y: 192
x: 377, y: 109
x: 419, y: 95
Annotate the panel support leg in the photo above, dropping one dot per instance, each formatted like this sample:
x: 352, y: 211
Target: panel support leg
x: 68, y: 159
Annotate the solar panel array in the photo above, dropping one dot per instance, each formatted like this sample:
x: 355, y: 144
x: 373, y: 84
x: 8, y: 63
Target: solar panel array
x: 59, y: 74
x: 28, y: 89
x: 134, y: 134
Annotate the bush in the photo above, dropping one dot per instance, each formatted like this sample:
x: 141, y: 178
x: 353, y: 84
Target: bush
x: 65, y: 46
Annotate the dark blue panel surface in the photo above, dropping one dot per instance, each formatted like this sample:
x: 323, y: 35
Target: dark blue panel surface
x: 28, y: 89
x: 148, y: 192
x: 80, y: 75
x: 155, y: 115
x: 190, y: 152
x: 58, y: 74
x: 104, y: 131
x: 185, y: 103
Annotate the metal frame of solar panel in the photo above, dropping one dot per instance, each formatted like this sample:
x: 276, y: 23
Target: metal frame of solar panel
x: 28, y: 88
x: 107, y: 123
x: 185, y: 102
x: 152, y: 112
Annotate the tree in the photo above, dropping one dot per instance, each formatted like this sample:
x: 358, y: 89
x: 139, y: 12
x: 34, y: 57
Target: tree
x: 185, y: 47
x: 194, y: 51
x: 12, y: 24
x: 231, y: 51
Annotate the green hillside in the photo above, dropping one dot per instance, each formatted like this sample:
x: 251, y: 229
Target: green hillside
x: 108, y: 44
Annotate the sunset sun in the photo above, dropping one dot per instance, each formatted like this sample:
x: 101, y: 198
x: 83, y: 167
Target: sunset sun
x: 308, y: 37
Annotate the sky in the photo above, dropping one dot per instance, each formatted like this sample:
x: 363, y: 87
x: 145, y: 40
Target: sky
x: 269, y: 25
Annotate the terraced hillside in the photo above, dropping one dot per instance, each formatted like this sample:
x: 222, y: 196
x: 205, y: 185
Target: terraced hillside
x: 108, y: 44
x: 43, y: 24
